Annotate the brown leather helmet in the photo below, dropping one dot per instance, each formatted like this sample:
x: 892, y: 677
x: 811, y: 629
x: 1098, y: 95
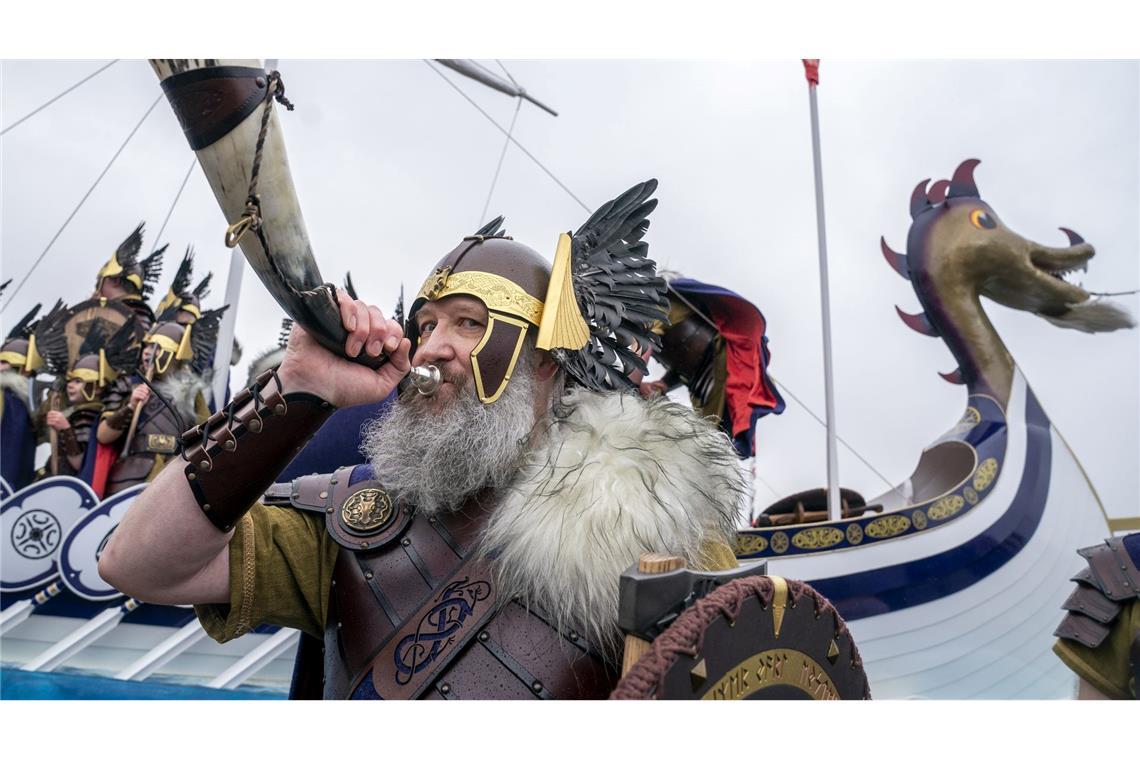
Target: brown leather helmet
x: 511, y: 280
x: 172, y: 346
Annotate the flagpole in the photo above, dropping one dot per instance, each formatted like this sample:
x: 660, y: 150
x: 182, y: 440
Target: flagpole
x: 811, y: 71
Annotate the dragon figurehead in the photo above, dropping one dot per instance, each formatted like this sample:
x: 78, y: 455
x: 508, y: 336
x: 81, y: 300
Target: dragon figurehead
x: 958, y: 250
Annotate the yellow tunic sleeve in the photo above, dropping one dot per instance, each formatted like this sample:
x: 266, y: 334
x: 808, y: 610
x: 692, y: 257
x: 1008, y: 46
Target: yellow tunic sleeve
x: 1106, y: 667
x: 281, y: 565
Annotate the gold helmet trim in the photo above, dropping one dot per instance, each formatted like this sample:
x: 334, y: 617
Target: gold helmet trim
x: 497, y: 292
x: 15, y: 358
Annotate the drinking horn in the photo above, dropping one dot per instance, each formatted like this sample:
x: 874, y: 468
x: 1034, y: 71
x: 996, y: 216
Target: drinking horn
x: 220, y: 104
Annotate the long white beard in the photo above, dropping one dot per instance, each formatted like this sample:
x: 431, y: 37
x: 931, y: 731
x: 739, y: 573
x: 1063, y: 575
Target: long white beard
x: 434, y: 456
x: 12, y: 380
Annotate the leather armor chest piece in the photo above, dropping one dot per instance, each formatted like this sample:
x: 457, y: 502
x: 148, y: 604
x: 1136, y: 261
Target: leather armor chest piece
x: 157, y: 433
x: 413, y: 614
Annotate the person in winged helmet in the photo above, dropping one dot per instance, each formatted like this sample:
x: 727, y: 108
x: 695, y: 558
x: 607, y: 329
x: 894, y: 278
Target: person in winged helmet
x: 125, y: 278
x: 477, y: 553
x: 19, y: 361
x: 176, y: 362
x: 83, y: 375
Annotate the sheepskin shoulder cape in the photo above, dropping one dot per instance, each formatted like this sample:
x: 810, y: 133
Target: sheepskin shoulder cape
x: 612, y: 477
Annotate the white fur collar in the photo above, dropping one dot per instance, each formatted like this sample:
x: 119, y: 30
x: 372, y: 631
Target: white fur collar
x: 11, y: 380
x: 615, y: 478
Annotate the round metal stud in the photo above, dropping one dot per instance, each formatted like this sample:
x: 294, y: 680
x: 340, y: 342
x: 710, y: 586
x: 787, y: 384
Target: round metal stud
x: 406, y: 542
x: 484, y: 636
x: 444, y: 688
x: 229, y: 445
x: 536, y: 687
x: 255, y: 425
x: 367, y: 575
x: 363, y: 544
x: 279, y: 409
x: 324, y: 494
x: 573, y: 636
x: 205, y: 507
x: 205, y: 464
x: 328, y: 510
x: 192, y: 476
x: 260, y: 82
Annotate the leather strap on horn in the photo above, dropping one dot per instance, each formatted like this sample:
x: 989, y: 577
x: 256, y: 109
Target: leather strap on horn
x: 236, y: 454
x: 211, y: 102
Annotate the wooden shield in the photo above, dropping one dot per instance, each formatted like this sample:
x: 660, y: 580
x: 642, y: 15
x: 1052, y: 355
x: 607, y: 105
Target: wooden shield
x: 761, y: 637
x: 80, y: 318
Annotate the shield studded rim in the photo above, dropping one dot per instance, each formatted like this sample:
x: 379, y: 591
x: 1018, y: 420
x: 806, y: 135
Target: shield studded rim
x: 686, y: 635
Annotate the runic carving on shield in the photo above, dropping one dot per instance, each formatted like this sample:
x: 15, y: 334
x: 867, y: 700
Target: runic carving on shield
x: 36, y: 534
x: 366, y: 511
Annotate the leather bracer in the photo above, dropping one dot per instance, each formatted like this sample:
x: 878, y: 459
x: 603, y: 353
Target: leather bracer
x: 120, y: 419
x: 236, y: 454
x: 69, y: 443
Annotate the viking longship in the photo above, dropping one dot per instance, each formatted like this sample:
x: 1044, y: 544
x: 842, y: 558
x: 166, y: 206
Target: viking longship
x: 950, y: 582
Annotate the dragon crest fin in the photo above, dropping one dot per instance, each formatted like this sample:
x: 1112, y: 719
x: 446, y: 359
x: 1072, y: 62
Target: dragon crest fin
x: 919, y: 322
x: 955, y: 377
x: 895, y: 259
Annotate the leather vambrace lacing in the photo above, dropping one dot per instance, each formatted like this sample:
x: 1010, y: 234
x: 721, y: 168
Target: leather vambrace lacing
x: 239, y: 451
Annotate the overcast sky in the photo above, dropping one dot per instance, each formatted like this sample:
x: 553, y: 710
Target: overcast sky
x: 393, y: 167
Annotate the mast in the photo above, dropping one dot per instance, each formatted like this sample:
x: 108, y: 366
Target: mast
x: 811, y: 72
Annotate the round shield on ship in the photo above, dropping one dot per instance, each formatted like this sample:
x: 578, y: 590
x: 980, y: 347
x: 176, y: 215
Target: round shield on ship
x: 761, y: 637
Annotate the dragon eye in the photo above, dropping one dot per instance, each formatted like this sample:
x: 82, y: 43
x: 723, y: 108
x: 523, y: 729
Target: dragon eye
x: 982, y: 220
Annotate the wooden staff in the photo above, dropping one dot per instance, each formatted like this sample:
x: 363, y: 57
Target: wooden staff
x: 135, y: 418
x: 635, y: 646
x: 53, y: 434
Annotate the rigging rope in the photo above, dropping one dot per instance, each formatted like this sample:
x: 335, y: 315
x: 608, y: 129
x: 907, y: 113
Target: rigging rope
x: 510, y: 138
x: 177, y: 195
x: 504, y: 68
x: 838, y: 437
x: 20, y: 121
x: 81, y: 202
x: 550, y: 174
x: 499, y: 166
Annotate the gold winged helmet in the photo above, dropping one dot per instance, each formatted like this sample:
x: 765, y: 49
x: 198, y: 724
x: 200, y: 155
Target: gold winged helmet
x: 592, y: 310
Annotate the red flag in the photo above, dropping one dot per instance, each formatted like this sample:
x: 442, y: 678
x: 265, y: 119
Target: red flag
x: 811, y: 70
x: 105, y: 457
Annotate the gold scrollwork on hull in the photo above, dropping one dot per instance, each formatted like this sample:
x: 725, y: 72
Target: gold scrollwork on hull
x: 887, y: 526
x: 947, y: 506
x: 987, y: 472
x: 817, y: 538
x: 747, y: 543
x: 854, y: 533
x: 918, y: 517
x: 779, y: 542
x: 774, y: 667
x: 971, y: 418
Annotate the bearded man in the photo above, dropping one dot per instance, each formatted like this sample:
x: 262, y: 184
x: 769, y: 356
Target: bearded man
x: 478, y: 553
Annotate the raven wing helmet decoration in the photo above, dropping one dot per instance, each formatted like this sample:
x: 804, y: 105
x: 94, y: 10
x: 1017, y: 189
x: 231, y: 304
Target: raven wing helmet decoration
x: 605, y: 294
x: 221, y: 105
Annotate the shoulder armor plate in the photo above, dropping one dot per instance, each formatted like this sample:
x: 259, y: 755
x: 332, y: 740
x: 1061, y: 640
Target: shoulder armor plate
x: 1110, y: 579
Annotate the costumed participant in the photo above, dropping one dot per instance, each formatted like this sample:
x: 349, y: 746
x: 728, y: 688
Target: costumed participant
x: 144, y: 417
x: 715, y: 344
x: 1099, y: 637
x: 183, y: 304
x: 478, y: 553
x: 71, y: 412
x: 19, y: 361
x: 126, y: 279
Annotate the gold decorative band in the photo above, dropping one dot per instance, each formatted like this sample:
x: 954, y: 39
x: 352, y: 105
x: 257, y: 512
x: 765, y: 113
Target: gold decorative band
x: 15, y: 358
x: 86, y: 375
x: 498, y: 293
